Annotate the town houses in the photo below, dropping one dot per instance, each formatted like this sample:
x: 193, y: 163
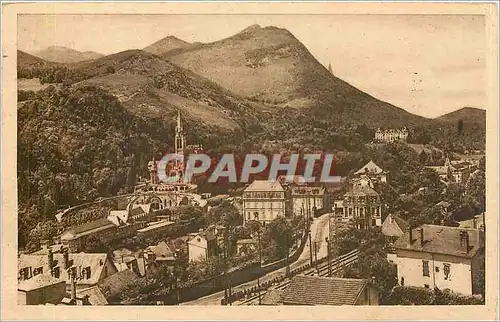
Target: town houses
x: 458, y: 172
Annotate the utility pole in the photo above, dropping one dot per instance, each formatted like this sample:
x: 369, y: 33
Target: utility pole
x: 258, y: 288
x: 310, y: 249
x: 287, y: 240
x: 260, y: 248
x: 329, y: 256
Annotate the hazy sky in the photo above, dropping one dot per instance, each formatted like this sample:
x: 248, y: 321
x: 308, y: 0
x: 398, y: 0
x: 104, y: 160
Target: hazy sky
x: 426, y: 64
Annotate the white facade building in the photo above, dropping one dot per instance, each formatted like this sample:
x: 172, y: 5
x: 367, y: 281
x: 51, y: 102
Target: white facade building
x: 391, y: 135
x: 439, y: 256
x: 263, y: 201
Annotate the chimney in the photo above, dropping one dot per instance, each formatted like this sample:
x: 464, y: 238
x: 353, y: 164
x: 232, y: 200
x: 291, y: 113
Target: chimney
x: 66, y: 258
x: 474, y: 223
x: 464, y: 240
x: 421, y: 231
x: 410, y: 240
x: 50, y: 261
x: 73, y: 287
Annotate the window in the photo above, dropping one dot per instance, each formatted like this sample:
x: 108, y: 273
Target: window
x: 402, y: 281
x: 437, y: 269
x: 57, y: 272
x: 425, y: 268
x: 37, y: 271
x: 374, y: 222
x: 86, y: 272
x: 446, y: 271
x: 426, y: 285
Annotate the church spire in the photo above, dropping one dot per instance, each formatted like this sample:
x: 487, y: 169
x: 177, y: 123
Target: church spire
x: 180, y: 140
x: 178, y: 128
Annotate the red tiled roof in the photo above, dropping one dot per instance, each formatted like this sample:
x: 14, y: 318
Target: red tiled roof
x: 315, y: 290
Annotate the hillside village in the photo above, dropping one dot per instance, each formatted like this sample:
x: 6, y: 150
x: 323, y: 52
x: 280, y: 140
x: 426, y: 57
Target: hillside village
x: 405, y: 225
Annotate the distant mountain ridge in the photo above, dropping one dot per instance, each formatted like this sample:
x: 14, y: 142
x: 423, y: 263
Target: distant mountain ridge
x: 466, y: 114
x: 60, y: 54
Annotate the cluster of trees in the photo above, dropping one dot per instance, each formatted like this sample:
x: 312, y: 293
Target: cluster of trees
x: 75, y: 145
x: 407, y: 295
x: 51, y: 73
x: 372, y: 262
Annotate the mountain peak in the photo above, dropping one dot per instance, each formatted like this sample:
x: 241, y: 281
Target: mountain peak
x: 251, y: 28
x: 166, y: 44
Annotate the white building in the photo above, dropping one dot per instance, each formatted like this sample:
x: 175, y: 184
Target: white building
x: 202, y: 245
x: 263, y: 201
x: 439, y: 256
x: 391, y: 135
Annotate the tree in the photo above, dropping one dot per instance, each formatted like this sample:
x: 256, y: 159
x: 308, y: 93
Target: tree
x: 225, y: 214
x: 460, y: 126
x: 476, y: 189
x: 276, y: 238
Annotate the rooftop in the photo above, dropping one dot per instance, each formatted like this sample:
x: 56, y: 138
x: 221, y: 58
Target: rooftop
x: 264, y: 185
x: 96, y: 297
x: 315, y: 290
x: 96, y: 262
x: 441, y: 240
x: 38, y: 281
x: 87, y: 228
x: 394, y: 226
x: 370, y: 167
x: 155, y: 225
x: 116, y: 283
x: 359, y: 190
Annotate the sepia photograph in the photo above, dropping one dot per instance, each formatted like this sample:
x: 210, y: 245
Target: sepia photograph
x: 191, y: 160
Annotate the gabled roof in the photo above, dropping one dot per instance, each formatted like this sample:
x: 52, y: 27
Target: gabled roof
x: 394, y: 226
x: 441, y: 240
x: 204, y: 234
x: 264, y: 186
x: 162, y: 251
x: 370, y: 167
x: 359, y: 190
x: 96, y: 262
x: 315, y: 290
